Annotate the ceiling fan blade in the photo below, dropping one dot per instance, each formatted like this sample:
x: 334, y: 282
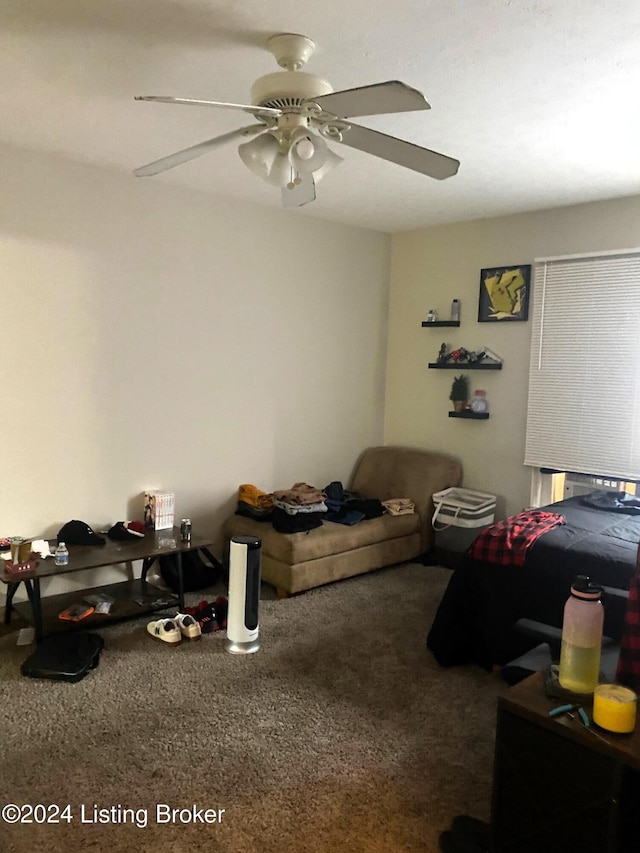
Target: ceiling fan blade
x: 194, y: 151
x: 378, y: 99
x: 247, y: 108
x: 398, y: 151
x: 301, y: 193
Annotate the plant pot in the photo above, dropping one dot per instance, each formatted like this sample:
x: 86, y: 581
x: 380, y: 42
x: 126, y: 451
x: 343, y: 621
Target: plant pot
x: 458, y: 405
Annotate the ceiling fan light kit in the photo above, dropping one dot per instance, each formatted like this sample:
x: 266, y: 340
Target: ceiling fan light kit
x: 297, y: 112
x: 307, y: 152
x: 281, y: 161
x: 259, y: 154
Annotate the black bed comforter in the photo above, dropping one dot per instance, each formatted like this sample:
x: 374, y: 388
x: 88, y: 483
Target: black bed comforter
x: 476, y: 617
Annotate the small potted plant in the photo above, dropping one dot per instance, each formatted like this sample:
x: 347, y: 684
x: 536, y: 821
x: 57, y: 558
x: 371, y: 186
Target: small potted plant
x: 459, y: 392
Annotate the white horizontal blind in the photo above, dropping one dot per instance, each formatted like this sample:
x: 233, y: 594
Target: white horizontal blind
x: 584, y: 376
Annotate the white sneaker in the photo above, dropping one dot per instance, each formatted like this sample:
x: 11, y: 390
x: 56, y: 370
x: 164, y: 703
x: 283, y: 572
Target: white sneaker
x: 189, y: 628
x: 165, y: 630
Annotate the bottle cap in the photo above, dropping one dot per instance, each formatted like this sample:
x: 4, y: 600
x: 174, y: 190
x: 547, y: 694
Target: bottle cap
x: 583, y: 588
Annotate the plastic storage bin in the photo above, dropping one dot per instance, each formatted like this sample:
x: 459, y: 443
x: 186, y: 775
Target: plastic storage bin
x: 459, y: 516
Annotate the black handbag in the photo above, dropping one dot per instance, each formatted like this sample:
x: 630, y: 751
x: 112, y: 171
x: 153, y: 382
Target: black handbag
x: 196, y: 574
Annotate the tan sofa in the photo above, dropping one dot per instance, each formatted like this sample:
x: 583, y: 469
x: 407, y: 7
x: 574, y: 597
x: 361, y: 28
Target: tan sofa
x: 293, y: 562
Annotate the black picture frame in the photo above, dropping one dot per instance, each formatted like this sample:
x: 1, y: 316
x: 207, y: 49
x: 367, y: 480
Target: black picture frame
x: 504, y: 294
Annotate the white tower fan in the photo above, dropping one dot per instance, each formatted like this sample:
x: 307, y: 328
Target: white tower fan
x: 244, y: 595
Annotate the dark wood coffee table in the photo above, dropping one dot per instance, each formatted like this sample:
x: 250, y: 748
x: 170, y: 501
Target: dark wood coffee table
x: 128, y: 594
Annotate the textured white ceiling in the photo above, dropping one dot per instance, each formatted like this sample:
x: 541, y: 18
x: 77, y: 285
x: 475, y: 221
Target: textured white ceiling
x: 538, y: 100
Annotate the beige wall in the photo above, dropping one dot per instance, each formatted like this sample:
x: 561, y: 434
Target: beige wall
x: 432, y: 266
x: 152, y: 337
x: 158, y: 338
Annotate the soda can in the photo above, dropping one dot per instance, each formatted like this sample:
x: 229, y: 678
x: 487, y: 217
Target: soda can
x: 185, y: 530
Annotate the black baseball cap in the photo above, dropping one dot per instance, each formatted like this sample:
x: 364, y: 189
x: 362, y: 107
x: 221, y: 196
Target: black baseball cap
x: 79, y: 533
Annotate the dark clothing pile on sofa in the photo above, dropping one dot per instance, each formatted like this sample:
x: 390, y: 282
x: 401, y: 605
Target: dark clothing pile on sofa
x: 304, y: 507
x: 347, y: 508
x: 298, y: 509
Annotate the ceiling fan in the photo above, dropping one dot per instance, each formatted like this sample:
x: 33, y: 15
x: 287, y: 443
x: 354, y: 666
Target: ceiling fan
x: 297, y: 113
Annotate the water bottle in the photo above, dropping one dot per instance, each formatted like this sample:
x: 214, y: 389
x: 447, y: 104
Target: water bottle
x: 61, y: 555
x: 479, y: 403
x: 455, y: 310
x: 581, y: 637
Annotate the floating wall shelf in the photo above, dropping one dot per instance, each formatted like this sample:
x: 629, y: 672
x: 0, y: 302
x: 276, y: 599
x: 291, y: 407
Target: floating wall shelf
x: 480, y: 365
x: 477, y: 416
x: 435, y: 323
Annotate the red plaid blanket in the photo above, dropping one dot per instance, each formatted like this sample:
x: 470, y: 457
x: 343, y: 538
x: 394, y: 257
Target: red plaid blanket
x: 628, y: 672
x: 506, y: 542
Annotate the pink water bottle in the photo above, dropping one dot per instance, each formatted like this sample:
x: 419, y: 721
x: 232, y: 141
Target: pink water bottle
x: 581, y: 637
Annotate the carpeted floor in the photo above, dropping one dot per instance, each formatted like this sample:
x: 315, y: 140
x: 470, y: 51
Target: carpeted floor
x: 341, y: 734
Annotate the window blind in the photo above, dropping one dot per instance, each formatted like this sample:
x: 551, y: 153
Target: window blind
x: 584, y: 375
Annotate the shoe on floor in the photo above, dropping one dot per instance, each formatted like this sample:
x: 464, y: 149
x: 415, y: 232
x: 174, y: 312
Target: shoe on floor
x: 189, y: 628
x: 221, y: 609
x: 451, y: 842
x: 195, y: 611
x: 467, y: 835
x: 165, y: 630
x: 472, y: 829
x: 207, y: 619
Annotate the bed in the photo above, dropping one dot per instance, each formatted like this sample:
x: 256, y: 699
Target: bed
x: 476, y: 619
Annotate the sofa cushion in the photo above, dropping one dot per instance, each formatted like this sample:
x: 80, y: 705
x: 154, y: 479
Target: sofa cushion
x: 330, y: 538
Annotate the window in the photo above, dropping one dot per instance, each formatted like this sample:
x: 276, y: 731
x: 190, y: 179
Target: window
x: 548, y: 488
x: 571, y: 485
x: 584, y: 377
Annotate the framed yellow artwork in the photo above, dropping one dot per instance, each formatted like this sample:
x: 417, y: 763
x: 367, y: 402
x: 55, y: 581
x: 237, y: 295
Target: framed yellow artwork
x: 504, y: 294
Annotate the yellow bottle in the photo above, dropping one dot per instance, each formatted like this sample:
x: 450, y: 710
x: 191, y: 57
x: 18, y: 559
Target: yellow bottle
x: 581, y: 637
